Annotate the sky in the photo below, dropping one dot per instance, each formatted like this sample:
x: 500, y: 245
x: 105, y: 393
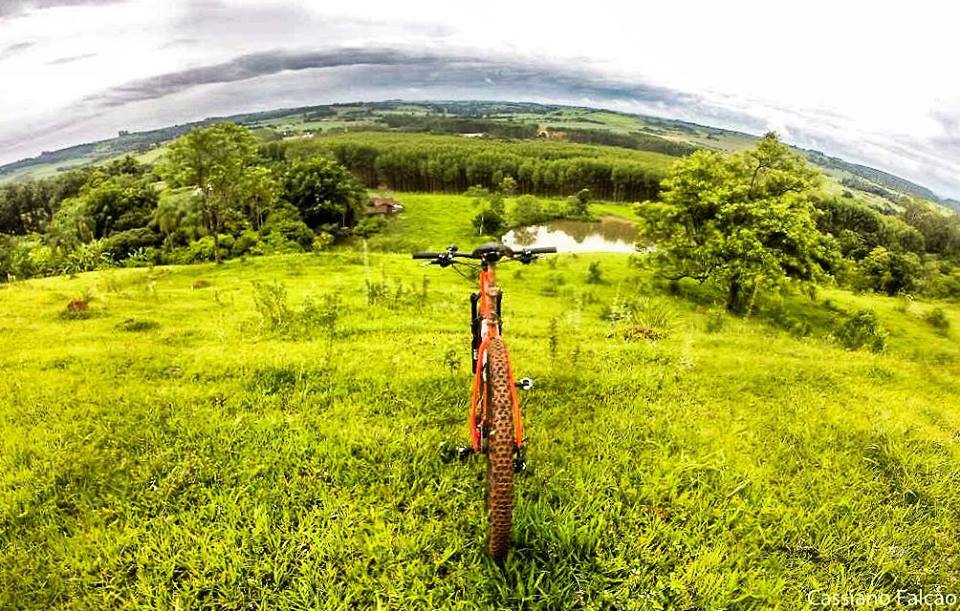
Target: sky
x: 871, y: 82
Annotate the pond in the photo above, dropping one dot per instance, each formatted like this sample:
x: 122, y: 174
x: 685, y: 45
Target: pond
x: 608, y: 235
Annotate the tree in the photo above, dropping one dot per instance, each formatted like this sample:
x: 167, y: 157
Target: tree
x: 526, y: 210
x: 742, y: 221
x: 491, y: 218
x: 580, y: 203
x: 215, y: 161
x: 891, y: 272
x: 263, y: 192
x: 324, y: 192
x: 941, y: 232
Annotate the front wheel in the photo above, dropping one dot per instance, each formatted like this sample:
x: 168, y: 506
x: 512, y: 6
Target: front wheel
x: 498, y: 422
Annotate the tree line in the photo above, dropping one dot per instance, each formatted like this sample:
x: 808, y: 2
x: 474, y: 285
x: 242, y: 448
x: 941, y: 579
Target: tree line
x: 454, y: 164
x: 749, y: 222
x: 214, y: 195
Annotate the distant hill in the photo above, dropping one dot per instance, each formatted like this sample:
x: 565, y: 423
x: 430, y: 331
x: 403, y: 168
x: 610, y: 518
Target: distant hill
x: 878, y: 177
x: 497, y: 119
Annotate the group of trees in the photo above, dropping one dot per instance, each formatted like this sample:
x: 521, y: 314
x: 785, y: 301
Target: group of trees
x: 758, y: 219
x: 634, y: 140
x: 746, y: 222
x: 213, y: 195
x: 446, y: 163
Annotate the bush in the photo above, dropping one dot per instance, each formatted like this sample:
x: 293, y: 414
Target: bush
x: 370, y: 225
x: 87, y: 257
x: 245, y: 243
x: 323, y: 192
x: 284, y: 222
x: 594, y: 273
x: 526, y: 210
x: 123, y: 244
x: 489, y: 221
x: 321, y: 314
x: 197, y: 252
x: 646, y: 317
x: 862, y: 330
x: 937, y: 319
x: 322, y: 242
x: 890, y: 272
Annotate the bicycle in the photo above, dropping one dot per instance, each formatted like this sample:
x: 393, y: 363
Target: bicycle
x: 495, y: 421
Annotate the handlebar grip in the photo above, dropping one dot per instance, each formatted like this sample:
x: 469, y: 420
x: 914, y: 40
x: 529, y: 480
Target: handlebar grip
x: 426, y: 255
x: 543, y: 251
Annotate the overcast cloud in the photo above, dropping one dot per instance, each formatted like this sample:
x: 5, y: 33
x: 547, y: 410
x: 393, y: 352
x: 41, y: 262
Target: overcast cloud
x: 869, y: 83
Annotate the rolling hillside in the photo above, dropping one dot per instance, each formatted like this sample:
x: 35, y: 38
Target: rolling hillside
x: 178, y: 445
x: 497, y: 119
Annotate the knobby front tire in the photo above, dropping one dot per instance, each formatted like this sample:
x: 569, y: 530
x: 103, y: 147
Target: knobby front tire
x: 498, y: 417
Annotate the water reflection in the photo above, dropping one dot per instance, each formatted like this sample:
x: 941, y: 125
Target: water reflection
x: 607, y: 235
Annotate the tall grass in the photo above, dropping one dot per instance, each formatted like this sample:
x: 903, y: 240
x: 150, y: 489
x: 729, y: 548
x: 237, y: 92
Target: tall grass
x: 223, y: 459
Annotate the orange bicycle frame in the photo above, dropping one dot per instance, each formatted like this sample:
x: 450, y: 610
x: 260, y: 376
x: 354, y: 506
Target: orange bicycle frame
x: 489, y: 327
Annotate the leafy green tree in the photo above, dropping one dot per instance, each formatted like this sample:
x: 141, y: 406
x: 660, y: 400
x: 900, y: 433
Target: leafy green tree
x: 891, y: 272
x: 508, y: 186
x: 941, y: 232
x: 580, y: 203
x: 743, y: 221
x: 491, y: 218
x: 215, y: 161
x: 526, y: 210
x: 325, y: 193
x: 262, y: 191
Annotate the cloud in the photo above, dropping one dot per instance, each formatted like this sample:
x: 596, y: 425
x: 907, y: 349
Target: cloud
x: 277, y: 78
x: 13, y: 8
x: 70, y: 59
x: 419, y: 69
x: 15, y: 48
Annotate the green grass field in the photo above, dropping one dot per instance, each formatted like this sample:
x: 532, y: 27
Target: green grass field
x: 172, y: 448
x: 433, y: 221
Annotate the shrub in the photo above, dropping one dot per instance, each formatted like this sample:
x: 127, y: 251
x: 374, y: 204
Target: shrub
x: 275, y: 243
x: 322, y: 242
x: 526, y: 210
x: 87, y: 257
x: 489, y: 221
x: 890, y: 272
x: 285, y: 221
x: 122, y: 244
x: 270, y: 299
x: 321, y: 314
x: 594, y: 273
x: 937, y: 319
x: 645, y: 317
x: 370, y: 226
x: 862, y: 330
x: 244, y: 243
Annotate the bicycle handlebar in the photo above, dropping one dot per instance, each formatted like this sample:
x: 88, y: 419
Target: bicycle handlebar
x: 523, y: 254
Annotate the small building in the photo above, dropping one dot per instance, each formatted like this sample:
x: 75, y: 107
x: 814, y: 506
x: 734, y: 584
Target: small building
x: 382, y: 204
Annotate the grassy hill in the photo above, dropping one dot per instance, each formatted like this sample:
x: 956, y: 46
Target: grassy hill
x: 495, y: 119
x: 193, y: 440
